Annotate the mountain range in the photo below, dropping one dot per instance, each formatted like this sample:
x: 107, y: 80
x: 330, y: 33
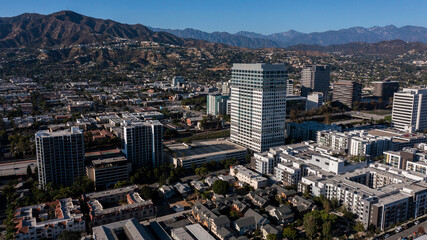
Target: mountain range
x: 292, y: 37
x: 65, y: 28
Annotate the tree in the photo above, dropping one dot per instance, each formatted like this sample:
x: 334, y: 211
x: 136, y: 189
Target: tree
x: 271, y: 236
x: 327, y: 205
x: 147, y: 193
x: 29, y: 172
x: 310, y: 225
x: 201, y: 171
x: 290, y: 233
x: 293, y: 115
x: 220, y: 187
x: 326, y: 230
x: 121, y: 184
x: 359, y: 227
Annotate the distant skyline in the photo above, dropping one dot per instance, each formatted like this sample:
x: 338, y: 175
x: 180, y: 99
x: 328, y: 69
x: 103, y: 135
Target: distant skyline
x: 266, y: 17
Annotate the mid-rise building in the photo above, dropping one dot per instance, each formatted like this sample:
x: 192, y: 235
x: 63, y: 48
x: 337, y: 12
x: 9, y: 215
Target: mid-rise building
x: 410, y: 159
x: 385, y: 89
x: 217, y: 104
x: 314, y: 101
x: 200, y: 152
x: 378, y: 195
x: 226, y: 88
x: 177, y: 81
x: 60, y: 156
x: 308, y: 130
x: 248, y: 176
x: 118, y: 204
x: 289, y: 87
x: 372, y: 142
x: 410, y: 110
x: 108, y: 171
x: 143, y: 143
x: 315, y: 78
x: 49, y: 220
x: 347, y: 92
x: 258, y: 105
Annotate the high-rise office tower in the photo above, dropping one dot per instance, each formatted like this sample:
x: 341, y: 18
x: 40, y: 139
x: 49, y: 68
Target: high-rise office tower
x: 258, y: 105
x: 217, y: 104
x: 347, y: 92
x: 60, y: 156
x: 143, y: 143
x: 385, y: 89
x: 410, y: 110
x: 315, y: 78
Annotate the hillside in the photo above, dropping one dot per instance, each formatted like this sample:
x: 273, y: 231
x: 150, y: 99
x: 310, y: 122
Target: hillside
x: 69, y: 28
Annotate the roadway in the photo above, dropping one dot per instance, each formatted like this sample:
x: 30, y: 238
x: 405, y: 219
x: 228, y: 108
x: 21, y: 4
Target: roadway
x: 407, y: 232
x: 16, y: 168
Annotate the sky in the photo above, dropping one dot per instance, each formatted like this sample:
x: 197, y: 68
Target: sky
x: 261, y: 16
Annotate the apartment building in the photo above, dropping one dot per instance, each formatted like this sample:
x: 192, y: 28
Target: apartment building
x: 60, y: 156
x: 249, y: 177
x: 49, y: 220
x: 143, y: 143
x: 308, y: 130
x: 118, y: 204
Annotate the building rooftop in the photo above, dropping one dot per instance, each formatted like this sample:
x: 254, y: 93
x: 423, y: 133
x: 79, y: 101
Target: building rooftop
x: 199, y: 232
x: 132, y: 229
x: 109, y: 160
x: 201, y: 149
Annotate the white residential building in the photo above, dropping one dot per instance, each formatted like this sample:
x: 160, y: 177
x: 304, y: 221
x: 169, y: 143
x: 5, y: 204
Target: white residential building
x: 48, y: 220
x: 410, y: 110
x: 143, y: 143
x: 247, y: 176
x: 258, y: 105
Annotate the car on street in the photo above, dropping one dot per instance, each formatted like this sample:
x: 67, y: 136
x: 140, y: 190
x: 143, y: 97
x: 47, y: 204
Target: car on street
x: 417, y: 222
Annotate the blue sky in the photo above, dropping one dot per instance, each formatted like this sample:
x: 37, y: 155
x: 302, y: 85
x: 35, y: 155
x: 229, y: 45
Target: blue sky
x: 262, y: 16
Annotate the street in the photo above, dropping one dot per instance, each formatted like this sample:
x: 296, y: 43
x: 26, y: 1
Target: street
x: 408, y: 231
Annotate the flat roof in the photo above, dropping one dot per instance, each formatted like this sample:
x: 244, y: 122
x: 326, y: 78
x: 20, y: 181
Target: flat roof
x: 109, y: 160
x: 204, y: 148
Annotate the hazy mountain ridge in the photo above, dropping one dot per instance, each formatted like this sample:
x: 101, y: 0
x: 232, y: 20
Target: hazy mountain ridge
x: 292, y: 37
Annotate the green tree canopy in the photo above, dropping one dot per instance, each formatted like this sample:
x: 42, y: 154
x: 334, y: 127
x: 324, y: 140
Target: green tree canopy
x: 220, y: 187
x: 290, y: 233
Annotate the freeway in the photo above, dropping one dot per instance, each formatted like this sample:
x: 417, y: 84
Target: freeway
x: 16, y: 168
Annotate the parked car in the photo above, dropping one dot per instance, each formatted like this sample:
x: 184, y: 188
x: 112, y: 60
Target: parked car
x: 399, y: 229
x: 417, y: 222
